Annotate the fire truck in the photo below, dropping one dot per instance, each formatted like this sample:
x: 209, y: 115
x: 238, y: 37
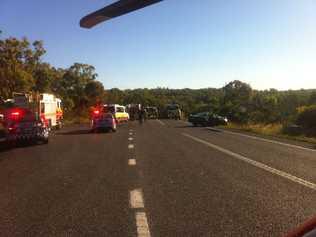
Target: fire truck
x: 51, y: 110
x: 29, y: 117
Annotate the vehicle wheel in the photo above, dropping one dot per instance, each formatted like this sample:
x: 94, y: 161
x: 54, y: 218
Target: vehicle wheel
x: 45, y: 141
x: 194, y: 124
x: 59, y: 126
x: 113, y: 129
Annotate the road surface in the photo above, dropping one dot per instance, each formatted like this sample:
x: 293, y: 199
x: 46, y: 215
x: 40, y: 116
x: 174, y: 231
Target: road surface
x: 162, y: 178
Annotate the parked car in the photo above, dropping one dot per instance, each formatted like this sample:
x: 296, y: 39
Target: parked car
x: 101, y: 120
x: 207, y: 119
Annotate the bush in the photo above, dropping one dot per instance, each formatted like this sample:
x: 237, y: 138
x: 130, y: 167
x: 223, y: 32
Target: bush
x: 307, y: 117
x: 292, y: 130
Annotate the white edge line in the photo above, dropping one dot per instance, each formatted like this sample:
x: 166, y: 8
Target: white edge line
x: 256, y: 163
x: 266, y: 140
x: 159, y: 121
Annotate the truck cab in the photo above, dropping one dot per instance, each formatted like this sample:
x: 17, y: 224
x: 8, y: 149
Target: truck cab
x: 174, y: 111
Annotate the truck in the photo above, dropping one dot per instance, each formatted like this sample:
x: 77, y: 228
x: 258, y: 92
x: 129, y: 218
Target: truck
x: 51, y: 110
x: 174, y: 111
x: 133, y: 111
x: 152, y: 112
x: 29, y: 117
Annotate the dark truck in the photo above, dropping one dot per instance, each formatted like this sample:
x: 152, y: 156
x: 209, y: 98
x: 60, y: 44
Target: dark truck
x: 151, y: 112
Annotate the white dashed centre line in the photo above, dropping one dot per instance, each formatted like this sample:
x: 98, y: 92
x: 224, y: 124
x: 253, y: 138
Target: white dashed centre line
x: 130, y: 133
x: 131, y: 162
x: 142, y: 224
x: 130, y: 139
x: 255, y: 163
x: 130, y: 146
x: 136, y: 199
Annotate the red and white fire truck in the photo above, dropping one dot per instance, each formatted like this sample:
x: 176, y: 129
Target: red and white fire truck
x: 29, y: 117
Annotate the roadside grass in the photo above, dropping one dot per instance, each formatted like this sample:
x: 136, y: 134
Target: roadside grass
x: 76, y: 120
x: 269, y: 130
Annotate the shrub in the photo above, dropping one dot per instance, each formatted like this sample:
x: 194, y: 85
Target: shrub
x: 307, y: 117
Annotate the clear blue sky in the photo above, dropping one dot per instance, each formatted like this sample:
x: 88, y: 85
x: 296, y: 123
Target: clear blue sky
x: 178, y: 43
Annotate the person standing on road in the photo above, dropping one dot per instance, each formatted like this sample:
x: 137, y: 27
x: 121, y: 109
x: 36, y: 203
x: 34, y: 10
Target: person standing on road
x: 142, y: 115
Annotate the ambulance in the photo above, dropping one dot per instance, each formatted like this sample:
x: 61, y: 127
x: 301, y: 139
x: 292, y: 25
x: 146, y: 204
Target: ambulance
x: 118, y: 111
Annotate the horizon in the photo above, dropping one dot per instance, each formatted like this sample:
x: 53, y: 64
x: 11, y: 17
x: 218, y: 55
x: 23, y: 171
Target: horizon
x: 266, y: 44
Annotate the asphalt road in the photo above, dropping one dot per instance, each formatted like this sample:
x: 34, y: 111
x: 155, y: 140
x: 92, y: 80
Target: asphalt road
x: 161, y: 178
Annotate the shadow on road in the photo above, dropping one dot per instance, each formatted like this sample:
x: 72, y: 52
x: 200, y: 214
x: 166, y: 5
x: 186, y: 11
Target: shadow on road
x: 6, y: 147
x: 184, y: 126
x: 213, y: 129
x: 75, y: 132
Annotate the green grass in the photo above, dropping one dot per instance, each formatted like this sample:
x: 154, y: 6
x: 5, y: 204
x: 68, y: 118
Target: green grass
x: 269, y: 130
x: 76, y: 120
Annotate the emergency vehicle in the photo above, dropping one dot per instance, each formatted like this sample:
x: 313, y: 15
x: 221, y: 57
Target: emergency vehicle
x: 21, y: 121
x: 51, y: 110
x: 118, y: 111
x: 101, y: 119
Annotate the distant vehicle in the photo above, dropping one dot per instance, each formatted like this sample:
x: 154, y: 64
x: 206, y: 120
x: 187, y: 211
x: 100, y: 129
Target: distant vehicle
x: 174, y: 111
x: 102, y: 120
x: 207, y: 119
x: 133, y: 111
x: 118, y: 111
x: 152, y: 112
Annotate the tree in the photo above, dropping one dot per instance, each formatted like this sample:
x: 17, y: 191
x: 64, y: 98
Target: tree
x: 236, y: 100
x: 94, y: 91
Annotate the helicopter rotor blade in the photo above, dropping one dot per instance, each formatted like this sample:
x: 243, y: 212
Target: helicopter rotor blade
x: 116, y: 9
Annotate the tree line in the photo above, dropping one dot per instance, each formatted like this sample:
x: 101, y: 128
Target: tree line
x: 23, y: 70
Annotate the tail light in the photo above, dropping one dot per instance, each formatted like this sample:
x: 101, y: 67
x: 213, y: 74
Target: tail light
x: 96, y: 113
x: 16, y: 114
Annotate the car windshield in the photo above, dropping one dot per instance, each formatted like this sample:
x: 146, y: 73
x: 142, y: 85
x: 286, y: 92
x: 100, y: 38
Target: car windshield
x: 157, y: 117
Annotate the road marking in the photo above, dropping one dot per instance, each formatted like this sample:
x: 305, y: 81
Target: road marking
x: 265, y: 140
x: 255, y: 163
x: 136, y: 199
x: 130, y: 146
x: 142, y: 224
x: 131, y: 162
x: 130, y: 133
x: 159, y: 121
x: 130, y: 139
